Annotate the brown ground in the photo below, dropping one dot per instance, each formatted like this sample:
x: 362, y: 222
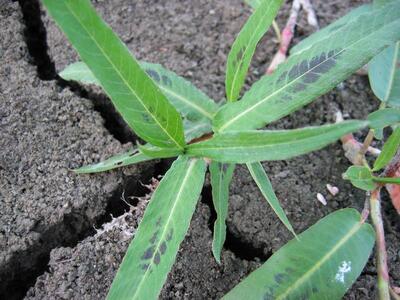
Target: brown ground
x: 192, y: 40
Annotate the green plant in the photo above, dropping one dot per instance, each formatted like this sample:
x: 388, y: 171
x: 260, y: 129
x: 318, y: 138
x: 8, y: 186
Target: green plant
x: 176, y: 119
x: 384, y: 76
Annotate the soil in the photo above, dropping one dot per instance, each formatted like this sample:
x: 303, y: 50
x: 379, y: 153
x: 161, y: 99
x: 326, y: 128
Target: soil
x: 49, y: 126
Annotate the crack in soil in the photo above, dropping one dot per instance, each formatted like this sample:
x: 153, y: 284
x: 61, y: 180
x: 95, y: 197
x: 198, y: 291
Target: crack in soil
x: 36, y: 39
x: 75, y: 227
x: 240, y: 248
x: 35, y: 35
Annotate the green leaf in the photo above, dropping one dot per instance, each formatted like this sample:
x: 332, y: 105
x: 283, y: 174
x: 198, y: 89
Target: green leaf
x: 389, y: 150
x: 361, y: 177
x: 152, y: 252
x: 384, y: 117
x: 157, y: 152
x: 243, y: 48
x: 192, y: 103
x: 253, y: 145
x: 261, y: 179
x: 327, y: 31
x: 79, y: 72
x: 384, y: 75
x: 121, y: 160
x: 139, y: 101
x: 221, y: 176
x: 322, y: 264
x: 313, y: 71
x: 184, y: 96
x: 392, y: 180
x: 196, y: 129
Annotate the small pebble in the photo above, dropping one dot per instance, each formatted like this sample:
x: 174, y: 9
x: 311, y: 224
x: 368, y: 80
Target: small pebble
x: 321, y: 198
x: 332, y: 189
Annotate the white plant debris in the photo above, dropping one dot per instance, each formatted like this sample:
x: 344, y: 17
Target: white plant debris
x: 124, y: 222
x: 321, y: 198
x: 333, y: 190
x: 345, y: 267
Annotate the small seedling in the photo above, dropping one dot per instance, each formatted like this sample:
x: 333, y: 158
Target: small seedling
x: 176, y: 119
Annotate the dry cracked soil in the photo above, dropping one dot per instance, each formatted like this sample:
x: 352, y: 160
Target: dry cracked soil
x: 49, y: 245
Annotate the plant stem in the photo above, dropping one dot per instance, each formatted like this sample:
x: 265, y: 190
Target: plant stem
x: 381, y: 255
x: 364, y: 148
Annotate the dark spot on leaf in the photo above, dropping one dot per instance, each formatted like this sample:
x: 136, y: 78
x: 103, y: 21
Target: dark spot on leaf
x: 146, y: 118
x: 282, y: 76
x: 166, y: 80
x: 314, y: 290
x: 118, y: 163
x: 154, y: 237
x: 148, y: 253
x: 170, y: 234
x: 151, y: 109
x: 153, y: 74
x: 311, y: 70
x: 286, y: 98
x: 239, y: 55
x: 158, y: 223
x: 157, y: 258
x: 269, y: 295
x: 303, y: 67
x: 280, y: 277
x: 310, y: 77
x: 294, y: 72
x: 144, y: 267
x: 299, y: 87
x: 163, y: 248
x: 331, y: 53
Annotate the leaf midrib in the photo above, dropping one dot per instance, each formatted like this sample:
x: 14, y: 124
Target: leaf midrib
x: 192, y: 163
x: 238, y: 116
x: 325, y: 258
x: 120, y: 75
x: 392, y: 72
x: 250, y: 146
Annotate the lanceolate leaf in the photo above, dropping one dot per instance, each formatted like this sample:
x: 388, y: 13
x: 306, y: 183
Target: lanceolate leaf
x: 322, y: 264
x: 313, y: 71
x: 153, y: 250
x: 243, y: 48
x: 361, y: 177
x: 132, y: 157
x: 221, y: 176
x: 388, y: 150
x: 327, y: 31
x: 187, y: 99
x: 157, y: 152
x: 136, y: 97
x: 260, y: 177
x: 253, y: 145
x: 384, y: 75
